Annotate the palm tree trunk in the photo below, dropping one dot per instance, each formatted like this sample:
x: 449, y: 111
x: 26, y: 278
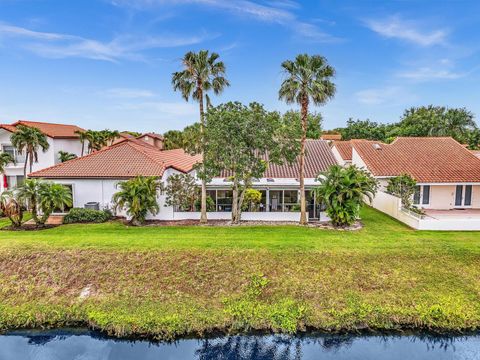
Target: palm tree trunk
x: 303, y: 210
x: 203, y: 207
x: 83, y: 147
x: 25, y: 165
x: 31, y: 161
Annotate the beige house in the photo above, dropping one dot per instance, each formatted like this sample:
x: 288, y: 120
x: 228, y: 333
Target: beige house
x: 447, y: 174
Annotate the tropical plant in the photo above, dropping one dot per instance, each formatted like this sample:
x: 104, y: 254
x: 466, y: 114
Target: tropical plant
x: 308, y: 78
x: 473, y: 139
x: 52, y: 196
x: 29, y: 194
x: 173, y: 139
x: 402, y: 186
x: 12, y: 207
x: 30, y: 140
x: 83, y: 138
x: 314, y: 124
x: 343, y: 190
x: 139, y: 197
x: 81, y: 215
x: 365, y: 129
x: 5, y: 159
x: 181, y: 192
x: 66, y: 156
x: 251, y: 200
x: 202, y: 72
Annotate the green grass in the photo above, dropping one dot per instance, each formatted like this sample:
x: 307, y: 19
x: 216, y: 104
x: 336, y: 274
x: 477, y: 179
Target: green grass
x: 166, y: 282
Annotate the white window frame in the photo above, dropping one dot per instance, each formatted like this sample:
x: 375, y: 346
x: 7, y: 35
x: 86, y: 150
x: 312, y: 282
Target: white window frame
x: 420, y: 203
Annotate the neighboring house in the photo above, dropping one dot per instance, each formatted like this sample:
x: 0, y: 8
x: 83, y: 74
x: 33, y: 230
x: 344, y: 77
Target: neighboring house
x: 93, y: 178
x: 447, y: 176
x: 153, y: 139
x: 60, y: 137
x: 331, y: 137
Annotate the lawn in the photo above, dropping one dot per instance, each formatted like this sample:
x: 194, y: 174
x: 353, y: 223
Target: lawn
x: 166, y: 282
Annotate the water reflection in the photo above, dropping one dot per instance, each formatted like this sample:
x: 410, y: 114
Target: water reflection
x: 88, y: 345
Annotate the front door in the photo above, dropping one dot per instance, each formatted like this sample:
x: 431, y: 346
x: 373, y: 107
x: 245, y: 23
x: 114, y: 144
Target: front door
x: 310, y: 197
x: 463, y: 196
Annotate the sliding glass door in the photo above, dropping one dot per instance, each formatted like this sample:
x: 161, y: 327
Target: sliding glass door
x: 463, y: 195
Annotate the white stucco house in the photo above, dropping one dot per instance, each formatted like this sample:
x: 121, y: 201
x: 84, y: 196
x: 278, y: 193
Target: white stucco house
x: 94, y: 178
x: 60, y: 137
x: 447, y: 176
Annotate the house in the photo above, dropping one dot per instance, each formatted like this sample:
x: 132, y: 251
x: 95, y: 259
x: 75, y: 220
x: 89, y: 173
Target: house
x: 447, y: 176
x: 94, y: 178
x: 60, y: 137
x: 153, y: 139
x: 331, y: 137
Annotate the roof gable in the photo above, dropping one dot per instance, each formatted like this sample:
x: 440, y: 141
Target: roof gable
x: 56, y: 131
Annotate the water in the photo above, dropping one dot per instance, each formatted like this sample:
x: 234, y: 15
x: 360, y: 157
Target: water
x: 87, y: 345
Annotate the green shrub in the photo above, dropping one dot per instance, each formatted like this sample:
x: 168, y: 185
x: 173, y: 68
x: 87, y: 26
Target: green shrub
x: 80, y: 215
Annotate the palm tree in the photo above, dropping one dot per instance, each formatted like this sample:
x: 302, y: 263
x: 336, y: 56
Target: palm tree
x: 31, y: 140
x: 82, y: 136
x: 308, y: 78
x: 12, y: 207
x: 139, y: 197
x: 66, y: 156
x: 202, y: 73
x: 53, y: 196
x: 343, y: 190
x: 29, y: 194
x: 5, y: 159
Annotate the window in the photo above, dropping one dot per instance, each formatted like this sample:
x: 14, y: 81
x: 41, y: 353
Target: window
x: 426, y: 195
x: 422, y: 194
x: 224, y: 200
x: 290, y: 200
x: 17, y: 156
x: 463, y: 195
x: 416, y: 195
x: 468, y: 195
x: 14, y: 181
x: 276, y: 200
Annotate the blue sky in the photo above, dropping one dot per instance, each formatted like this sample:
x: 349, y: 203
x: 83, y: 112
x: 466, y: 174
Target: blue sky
x: 108, y: 63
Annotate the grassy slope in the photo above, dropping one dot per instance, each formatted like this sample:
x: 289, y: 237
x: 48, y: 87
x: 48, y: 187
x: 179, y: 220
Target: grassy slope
x: 169, y: 281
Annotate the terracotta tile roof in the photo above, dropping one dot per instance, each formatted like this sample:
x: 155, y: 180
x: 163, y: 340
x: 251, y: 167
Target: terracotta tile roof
x: 427, y: 160
x: 476, y: 153
x: 60, y: 131
x: 344, y: 148
x: 318, y: 158
x: 125, y: 159
x: 331, y: 137
x: 152, y: 135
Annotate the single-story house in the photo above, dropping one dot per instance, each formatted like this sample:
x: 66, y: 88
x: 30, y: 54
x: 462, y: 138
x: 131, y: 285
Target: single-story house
x: 94, y: 177
x: 447, y: 176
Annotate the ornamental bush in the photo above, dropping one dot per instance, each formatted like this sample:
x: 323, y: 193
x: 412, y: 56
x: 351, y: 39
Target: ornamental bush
x: 80, y: 215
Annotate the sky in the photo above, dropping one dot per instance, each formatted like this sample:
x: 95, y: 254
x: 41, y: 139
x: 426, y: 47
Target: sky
x: 108, y: 63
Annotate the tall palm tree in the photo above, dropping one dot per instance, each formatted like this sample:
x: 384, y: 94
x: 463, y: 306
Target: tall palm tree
x: 201, y: 73
x: 83, y: 137
x: 308, y: 78
x: 5, y: 159
x: 31, y: 140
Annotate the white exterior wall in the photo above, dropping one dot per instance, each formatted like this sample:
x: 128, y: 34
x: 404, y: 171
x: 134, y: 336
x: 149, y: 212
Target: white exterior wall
x: 338, y: 157
x: 73, y: 146
x: 248, y: 216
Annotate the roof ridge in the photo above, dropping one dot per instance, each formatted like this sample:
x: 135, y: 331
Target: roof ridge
x: 162, y: 163
x: 42, y: 122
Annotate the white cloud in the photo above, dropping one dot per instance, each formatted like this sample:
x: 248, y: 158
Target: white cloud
x: 428, y: 73
x: 379, y: 96
x: 278, y: 12
x: 128, y: 93
x: 57, y: 45
x: 397, y: 28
